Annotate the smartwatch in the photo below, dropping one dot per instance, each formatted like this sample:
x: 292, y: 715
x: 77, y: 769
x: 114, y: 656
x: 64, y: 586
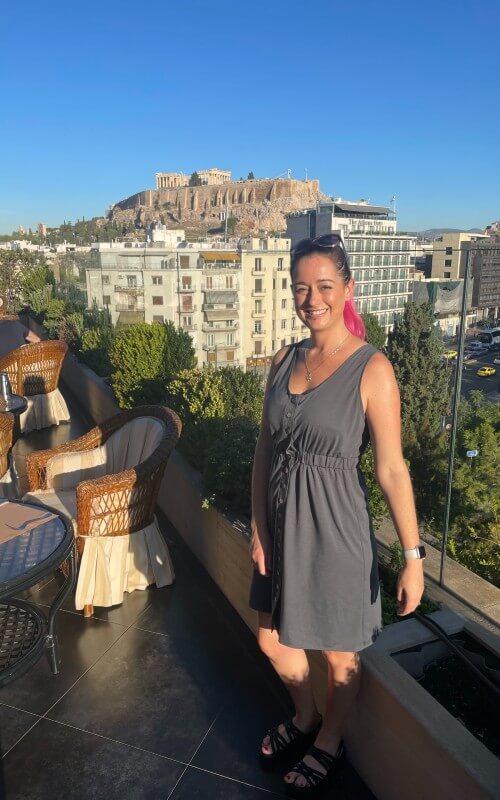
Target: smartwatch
x: 415, y: 552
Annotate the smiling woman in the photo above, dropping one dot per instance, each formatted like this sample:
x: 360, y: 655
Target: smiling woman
x: 315, y: 583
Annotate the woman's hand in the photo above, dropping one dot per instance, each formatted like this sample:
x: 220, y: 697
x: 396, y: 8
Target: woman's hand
x: 260, y: 551
x: 410, y: 587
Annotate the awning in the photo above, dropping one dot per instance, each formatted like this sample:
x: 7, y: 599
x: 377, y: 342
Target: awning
x: 219, y: 255
x: 355, y: 209
x: 215, y: 315
x: 221, y: 298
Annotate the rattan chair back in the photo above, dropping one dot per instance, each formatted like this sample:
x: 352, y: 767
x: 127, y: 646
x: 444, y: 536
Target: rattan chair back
x: 6, y: 428
x: 35, y: 368
x: 125, y: 500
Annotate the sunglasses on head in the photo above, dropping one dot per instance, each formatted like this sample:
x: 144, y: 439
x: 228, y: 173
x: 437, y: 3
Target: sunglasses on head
x: 328, y: 240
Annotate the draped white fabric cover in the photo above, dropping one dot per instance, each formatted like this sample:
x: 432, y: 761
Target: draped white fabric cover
x: 110, y: 565
x: 44, y: 410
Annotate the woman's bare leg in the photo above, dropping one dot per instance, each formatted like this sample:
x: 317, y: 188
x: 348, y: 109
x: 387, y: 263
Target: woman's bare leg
x: 292, y: 667
x: 344, y: 676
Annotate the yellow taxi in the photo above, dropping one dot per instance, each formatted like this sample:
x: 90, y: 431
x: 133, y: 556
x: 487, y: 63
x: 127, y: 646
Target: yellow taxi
x: 485, y: 372
x: 449, y: 354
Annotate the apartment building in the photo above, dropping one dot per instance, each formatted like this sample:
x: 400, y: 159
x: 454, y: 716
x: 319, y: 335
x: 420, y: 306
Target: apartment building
x: 381, y: 258
x: 486, y: 277
x: 449, y: 255
x: 268, y: 319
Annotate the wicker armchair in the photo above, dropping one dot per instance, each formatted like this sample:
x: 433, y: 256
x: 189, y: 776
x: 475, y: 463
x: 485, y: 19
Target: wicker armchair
x: 113, y: 513
x: 6, y: 477
x: 34, y: 371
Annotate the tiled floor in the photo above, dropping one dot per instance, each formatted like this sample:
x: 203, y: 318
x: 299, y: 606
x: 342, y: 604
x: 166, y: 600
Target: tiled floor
x: 165, y: 696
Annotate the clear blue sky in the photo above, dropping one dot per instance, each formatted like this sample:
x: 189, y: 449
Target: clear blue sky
x: 374, y: 99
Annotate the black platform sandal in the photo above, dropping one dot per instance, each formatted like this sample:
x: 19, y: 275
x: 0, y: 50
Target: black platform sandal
x: 316, y: 780
x: 280, y: 746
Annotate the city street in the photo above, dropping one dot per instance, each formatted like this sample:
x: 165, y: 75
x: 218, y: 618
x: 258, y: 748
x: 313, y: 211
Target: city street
x: 470, y: 378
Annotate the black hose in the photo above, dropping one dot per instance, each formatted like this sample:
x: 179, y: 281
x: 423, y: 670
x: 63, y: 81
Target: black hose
x: 441, y: 634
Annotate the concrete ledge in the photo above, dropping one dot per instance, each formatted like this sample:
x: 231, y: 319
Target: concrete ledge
x: 479, y: 594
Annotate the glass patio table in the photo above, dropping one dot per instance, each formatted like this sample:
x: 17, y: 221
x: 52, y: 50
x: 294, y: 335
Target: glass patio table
x: 25, y: 558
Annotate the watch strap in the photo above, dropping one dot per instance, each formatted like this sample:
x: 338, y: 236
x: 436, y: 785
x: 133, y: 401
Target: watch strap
x: 415, y: 552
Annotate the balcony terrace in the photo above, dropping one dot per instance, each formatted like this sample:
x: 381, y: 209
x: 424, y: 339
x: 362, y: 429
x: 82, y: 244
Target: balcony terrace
x: 164, y: 696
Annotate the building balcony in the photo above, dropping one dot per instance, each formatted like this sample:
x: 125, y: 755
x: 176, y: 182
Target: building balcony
x: 258, y: 272
x: 206, y: 326
x: 189, y: 327
x: 129, y: 289
x: 186, y: 289
x: 219, y: 307
x: 258, y: 293
x: 129, y: 307
x: 191, y: 310
x: 258, y: 334
x: 220, y: 346
x: 258, y: 314
x: 234, y: 288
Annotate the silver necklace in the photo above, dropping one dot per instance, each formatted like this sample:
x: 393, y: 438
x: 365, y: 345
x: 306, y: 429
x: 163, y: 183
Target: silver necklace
x: 309, y: 372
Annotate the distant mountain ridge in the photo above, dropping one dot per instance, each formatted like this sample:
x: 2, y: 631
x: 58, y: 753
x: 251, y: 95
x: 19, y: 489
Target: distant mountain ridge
x: 434, y: 233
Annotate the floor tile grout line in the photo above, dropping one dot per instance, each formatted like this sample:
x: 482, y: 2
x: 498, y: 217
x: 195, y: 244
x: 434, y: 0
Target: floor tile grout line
x: 236, y: 780
x: 115, y: 741
x: 37, y: 722
x: 77, y: 613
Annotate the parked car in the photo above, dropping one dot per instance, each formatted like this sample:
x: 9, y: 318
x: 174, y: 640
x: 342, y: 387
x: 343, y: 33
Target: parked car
x: 496, y: 360
x: 486, y: 372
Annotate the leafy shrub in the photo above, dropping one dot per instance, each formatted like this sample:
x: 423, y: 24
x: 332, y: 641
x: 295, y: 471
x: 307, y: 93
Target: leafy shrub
x: 94, y: 348
x: 145, y: 358
x: 228, y: 465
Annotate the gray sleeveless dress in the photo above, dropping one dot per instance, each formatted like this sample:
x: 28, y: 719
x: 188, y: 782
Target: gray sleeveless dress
x: 324, y: 591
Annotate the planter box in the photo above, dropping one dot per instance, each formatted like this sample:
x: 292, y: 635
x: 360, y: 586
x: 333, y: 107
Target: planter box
x: 400, y: 740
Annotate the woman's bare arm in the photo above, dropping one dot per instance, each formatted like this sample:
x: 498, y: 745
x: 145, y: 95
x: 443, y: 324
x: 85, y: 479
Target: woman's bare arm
x: 380, y: 395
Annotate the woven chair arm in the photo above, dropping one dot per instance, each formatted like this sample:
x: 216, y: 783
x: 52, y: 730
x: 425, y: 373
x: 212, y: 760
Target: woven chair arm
x: 118, y: 504
x: 36, y: 462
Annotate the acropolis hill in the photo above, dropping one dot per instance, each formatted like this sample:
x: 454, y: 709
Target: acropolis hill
x: 256, y: 204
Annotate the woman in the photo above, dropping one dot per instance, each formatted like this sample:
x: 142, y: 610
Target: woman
x: 315, y: 582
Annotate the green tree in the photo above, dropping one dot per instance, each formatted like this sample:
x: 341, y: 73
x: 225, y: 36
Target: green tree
x: 145, y: 358
x: 414, y: 349
x: 375, y: 333
x: 231, y: 225
x: 195, y: 180
x: 251, y: 176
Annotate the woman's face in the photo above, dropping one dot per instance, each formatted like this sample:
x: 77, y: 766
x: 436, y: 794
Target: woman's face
x: 319, y: 292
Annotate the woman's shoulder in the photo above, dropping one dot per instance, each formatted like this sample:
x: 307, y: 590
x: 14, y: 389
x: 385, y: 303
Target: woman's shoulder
x: 282, y: 353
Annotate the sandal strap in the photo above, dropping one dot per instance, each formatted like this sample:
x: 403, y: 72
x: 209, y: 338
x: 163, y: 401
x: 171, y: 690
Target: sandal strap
x: 278, y: 741
x: 325, y: 758
x: 312, y: 776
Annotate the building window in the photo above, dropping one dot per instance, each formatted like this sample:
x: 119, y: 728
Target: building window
x: 211, y: 356
x: 258, y: 265
x: 229, y: 281
x: 258, y: 347
x: 209, y: 282
x: 283, y: 281
x: 230, y: 338
x: 230, y: 355
x: 106, y: 299
x: 294, y: 323
x: 447, y: 274
x: 186, y: 282
x: 157, y: 280
x: 158, y: 318
x: 447, y: 262
x: 258, y: 285
x: 280, y: 266
x: 258, y: 306
x: 187, y: 302
x: 105, y: 280
x: 283, y: 324
x: 187, y: 322
x: 283, y: 342
x: 449, y: 251
x: 283, y: 304
x: 184, y: 262
x: 211, y: 339
x: 132, y: 281
x: 258, y: 326
x: 157, y: 300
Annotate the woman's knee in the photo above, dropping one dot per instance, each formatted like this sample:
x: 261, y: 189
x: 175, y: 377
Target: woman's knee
x: 342, y: 660
x: 268, y: 642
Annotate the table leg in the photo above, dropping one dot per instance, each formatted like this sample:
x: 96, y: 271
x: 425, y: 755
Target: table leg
x: 51, y: 638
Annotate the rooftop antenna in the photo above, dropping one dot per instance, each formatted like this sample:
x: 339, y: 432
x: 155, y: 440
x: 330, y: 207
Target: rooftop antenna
x: 393, y: 204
